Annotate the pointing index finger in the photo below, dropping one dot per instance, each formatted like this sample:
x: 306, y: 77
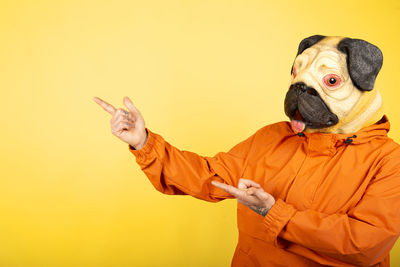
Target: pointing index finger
x: 107, y: 107
x: 228, y: 188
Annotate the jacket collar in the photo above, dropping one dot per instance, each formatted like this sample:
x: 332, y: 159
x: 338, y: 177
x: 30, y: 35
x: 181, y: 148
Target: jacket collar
x: 364, y: 135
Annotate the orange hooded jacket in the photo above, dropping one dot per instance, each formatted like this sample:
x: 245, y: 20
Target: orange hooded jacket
x: 337, y: 195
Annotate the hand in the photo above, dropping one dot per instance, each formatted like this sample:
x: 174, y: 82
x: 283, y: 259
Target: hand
x: 129, y: 125
x: 250, y: 194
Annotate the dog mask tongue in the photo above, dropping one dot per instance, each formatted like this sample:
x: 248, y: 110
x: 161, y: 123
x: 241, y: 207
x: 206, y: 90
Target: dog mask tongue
x: 298, y: 125
x: 297, y: 122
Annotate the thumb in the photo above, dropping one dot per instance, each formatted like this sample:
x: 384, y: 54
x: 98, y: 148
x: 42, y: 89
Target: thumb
x: 261, y: 194
x: 128, y: 103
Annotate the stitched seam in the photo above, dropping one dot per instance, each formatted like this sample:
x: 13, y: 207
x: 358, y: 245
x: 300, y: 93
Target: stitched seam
x: 294, y: 178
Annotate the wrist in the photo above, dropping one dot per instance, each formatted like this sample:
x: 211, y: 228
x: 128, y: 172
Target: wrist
x: 141, y: 145
x: 260, y: 210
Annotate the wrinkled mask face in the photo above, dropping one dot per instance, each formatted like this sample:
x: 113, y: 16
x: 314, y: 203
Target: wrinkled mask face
x: 322, y: 93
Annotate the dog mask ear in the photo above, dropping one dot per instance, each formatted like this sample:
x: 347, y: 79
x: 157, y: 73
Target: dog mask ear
x: 306, y: 43
x: 309, y: 41
x: 364, y: 60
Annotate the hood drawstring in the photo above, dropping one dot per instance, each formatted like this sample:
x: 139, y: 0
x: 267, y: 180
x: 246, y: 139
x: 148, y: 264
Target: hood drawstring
x: 349, y: 139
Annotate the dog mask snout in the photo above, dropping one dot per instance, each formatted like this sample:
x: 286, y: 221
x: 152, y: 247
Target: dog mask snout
x: 308, y: 104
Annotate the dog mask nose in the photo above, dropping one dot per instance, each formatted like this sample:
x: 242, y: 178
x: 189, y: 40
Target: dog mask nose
x: 300, y: 86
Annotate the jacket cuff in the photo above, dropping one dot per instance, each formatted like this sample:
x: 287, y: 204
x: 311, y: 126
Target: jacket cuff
x: 276, y: 219
x: 142, y: 153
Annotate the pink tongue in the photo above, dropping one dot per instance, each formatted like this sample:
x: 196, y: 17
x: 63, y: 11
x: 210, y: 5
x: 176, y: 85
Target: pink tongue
x: 298, y: 125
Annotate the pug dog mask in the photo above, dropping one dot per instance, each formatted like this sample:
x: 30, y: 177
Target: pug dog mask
x: 332, y: 88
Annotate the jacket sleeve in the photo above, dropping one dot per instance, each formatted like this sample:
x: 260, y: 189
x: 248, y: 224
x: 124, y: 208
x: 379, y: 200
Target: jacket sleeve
x: 178, y: 172
x: 363, y: 236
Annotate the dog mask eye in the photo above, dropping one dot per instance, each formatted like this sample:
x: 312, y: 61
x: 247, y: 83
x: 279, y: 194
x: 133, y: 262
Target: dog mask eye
x: 332, y: 80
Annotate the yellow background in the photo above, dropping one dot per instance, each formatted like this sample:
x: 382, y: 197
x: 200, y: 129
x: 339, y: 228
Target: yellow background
x: 204, y: 74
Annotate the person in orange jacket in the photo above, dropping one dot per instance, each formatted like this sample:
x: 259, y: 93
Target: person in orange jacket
x: 322, y: 189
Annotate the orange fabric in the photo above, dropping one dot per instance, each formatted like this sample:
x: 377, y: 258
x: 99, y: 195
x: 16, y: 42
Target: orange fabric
x: 337, y: 203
